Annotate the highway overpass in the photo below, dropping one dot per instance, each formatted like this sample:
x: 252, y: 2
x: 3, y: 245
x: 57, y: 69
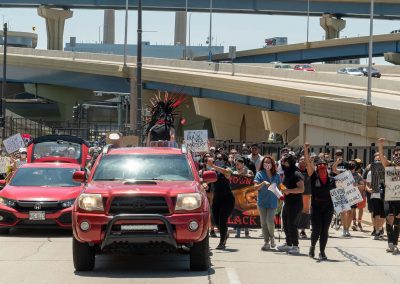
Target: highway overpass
x: 384, y: 9
x: 326, y: 50
x: 301, y: 105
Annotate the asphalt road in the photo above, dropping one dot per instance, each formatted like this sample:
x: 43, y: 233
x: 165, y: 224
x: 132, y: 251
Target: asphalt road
x: 37, y: 256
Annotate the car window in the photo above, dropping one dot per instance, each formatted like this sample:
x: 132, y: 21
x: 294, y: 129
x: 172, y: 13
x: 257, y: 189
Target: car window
x: 44, y: 177
x: 57, y: 149
x: 143, y: 167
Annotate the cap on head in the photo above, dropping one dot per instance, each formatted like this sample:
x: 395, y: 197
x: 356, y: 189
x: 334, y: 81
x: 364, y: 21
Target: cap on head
x: 212, y: 148
x: 22, y: 150
x: 338, y: 152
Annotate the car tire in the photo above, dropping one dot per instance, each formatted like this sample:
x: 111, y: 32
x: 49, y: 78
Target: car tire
x: 200, y: 255
x: 4, y: 231
x: 83, y: 255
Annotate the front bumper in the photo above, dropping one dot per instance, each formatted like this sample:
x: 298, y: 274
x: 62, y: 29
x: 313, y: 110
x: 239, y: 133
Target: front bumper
x: 175, y: 230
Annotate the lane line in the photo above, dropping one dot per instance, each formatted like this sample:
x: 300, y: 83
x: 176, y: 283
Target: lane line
x: 232, y: 276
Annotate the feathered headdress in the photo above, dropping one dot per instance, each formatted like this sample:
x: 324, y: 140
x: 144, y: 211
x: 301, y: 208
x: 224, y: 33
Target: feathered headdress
x: 163, y: 109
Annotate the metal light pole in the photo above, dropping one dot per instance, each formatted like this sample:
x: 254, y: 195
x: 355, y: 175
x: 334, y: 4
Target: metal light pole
x: 186, y: 11
x: 126, y: 35
x: 308, y: 18
x: 139, y: 74
x: 371, y: 31
x: 190, y: 43
x: 210, y: 38
x: 4, y: 84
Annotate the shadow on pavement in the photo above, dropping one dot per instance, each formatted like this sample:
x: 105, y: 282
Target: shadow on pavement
x: 38, y: 233
x: 143, y: 266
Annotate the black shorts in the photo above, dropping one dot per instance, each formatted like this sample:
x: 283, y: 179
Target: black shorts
x: 377, y: 207
x: 392, y: 208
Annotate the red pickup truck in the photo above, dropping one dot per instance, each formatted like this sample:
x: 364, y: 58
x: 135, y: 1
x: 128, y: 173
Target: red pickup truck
x: 141, y: 199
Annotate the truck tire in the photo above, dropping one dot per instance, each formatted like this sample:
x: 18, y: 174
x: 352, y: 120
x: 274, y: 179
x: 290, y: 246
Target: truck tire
x: 84, y: 256
x: 200, y: 255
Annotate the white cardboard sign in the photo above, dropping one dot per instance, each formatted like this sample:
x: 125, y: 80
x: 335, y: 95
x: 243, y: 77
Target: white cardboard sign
x: 4, y: 164
x: 14, y: 143
x: 345, y: 180
x: 196, y: 140
x: 392, y: 184
x: 339, y: 200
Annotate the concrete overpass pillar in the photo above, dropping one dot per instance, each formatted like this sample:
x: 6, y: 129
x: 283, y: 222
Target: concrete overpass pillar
x: 109, y: 27
x: 180, y: 28
x: 392, y: 57
x: 55, y: 20
x: 331, y: 25
x: 285, y: 124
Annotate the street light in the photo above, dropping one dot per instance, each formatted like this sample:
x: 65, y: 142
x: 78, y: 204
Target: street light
x: 4, y: 84
x: 308, y: 18
x: 139, y: 74
x: 371, y: 31
x: 190, y: 44
x: 126, y: 35
x: 186, y: 11
x: 210, y: 38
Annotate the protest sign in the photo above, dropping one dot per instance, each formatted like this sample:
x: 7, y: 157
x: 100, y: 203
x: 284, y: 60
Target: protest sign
x: 353, y: 195
x: 14, y: 143
x: 339, y: 200
x: 4, y: 164
x: 196, y: 140
x: 245, y: 212
x: 276, y: 191
x: 344, y: 180
x: 392, y: 182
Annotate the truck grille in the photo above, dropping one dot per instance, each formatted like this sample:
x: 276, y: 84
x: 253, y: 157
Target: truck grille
x: 139, y: 205
x: 47, y: 206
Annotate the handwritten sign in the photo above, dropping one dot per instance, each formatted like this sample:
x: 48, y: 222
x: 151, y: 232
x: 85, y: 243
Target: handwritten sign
x: 14, y: 143
x: 339, y: 200
x: 345, y: 180
x: 196, y: 140
x: 4, y: 164
x: 353, y: 195
x: 392, y: 182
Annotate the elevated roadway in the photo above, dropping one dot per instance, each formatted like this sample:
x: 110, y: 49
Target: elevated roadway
x: 326, y: 50
x: 384, y: 9
x: 267, y: 89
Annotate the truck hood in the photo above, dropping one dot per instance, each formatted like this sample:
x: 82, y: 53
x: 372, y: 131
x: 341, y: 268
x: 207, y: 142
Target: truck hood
x: 40, y: 193
x: 166, y: 188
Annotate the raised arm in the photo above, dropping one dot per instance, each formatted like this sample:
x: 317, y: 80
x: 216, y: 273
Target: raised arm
x: 384, y: 161
x: 309, y: 163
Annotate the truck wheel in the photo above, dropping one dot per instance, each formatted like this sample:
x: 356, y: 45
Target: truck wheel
x: 84, y: 256
x: 199, y: 255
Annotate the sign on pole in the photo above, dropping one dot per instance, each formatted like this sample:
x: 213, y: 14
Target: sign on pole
x: 14, y: 143
x: 392, y: 184
x: 196, y: 140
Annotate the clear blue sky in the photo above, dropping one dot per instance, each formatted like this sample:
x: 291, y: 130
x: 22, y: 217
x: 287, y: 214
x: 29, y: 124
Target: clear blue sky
x: 244, y: 31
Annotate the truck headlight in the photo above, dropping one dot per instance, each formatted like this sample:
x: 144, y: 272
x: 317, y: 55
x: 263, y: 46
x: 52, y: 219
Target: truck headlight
x: 7, y: 202
x: 188, y: 201
x: 90, y: 202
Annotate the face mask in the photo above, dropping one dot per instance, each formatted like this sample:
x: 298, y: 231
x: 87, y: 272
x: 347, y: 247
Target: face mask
x: 352, y: 167
x: 396, y: 161
x: 268, y: 167
x: 23, y: 156
x: 321, y: 167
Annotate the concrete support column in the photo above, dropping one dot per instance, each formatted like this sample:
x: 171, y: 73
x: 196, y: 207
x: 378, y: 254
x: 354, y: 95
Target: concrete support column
x: 109, y: 27
x: 331, y: 25
x: 392, y: 57
x: 180, y: 28
x: 285, y: 124
x: 55, y: 20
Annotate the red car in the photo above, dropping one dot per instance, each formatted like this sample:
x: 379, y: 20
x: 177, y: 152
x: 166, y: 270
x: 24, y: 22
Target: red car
x: 141, y: 199
x: 304, y: 67
x: 41, y: 193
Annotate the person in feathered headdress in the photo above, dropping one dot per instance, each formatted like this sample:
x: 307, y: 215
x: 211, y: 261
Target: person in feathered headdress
x: 160, y: 126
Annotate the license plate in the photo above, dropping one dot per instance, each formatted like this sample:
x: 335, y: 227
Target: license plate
x: 37, y: 215
x: 139, y: 227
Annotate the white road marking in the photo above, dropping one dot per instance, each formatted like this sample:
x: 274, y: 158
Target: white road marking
x: 232, y: 276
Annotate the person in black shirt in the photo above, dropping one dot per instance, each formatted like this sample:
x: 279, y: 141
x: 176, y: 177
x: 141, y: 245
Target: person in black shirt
x: 293, y: 188
x: 321, y: 202
x: 223, y: 200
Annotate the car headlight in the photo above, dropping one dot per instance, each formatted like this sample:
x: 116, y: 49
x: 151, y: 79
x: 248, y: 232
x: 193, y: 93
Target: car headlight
x: 90, y: 202
x: 188, y: 201
x: 67, y: 203
x: 7, y: 202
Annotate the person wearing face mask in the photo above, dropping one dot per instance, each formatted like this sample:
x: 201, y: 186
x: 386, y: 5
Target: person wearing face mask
x: 393, y: 207
x: 293, y: 188
x: 358, y: 182
x: 321, y: 202
x: 22, y: 158
x: 267, y: 202
x: 304, y: 218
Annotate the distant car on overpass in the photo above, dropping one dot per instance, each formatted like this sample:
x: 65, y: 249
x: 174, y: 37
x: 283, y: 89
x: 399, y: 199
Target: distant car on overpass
x: 374, y: 72
x: 304, y: 67
x: 353, y: 71
x: 283, y: 66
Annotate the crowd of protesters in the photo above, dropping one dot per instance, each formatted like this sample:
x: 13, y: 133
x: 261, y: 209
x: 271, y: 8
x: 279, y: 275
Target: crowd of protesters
x: 305, y: 179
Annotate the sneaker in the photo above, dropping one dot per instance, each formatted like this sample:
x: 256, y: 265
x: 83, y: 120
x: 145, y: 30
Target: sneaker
x: 348, y: 234
x: 294, y: 250
x: 344, y: 234
x: 354, y: 227
x: 373, y: 233
x: 311, y: 253
x: 266, y: 247
x: 213, y: 234
x: 390, y: 247
x: 360, y: 226
x: 303, y: 235
x: 382, y: 233
x: 273, y: 245
x: 395, y: 250
x: 322, y: 256
x: 377, y: 237
x: 221, y: 246
x: 284, y: 247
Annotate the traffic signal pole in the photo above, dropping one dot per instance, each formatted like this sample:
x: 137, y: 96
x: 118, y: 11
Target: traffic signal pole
x: 4, y: 85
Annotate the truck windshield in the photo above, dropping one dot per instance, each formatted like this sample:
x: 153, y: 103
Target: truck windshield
x: 143, y: 167
x: 44, y: 177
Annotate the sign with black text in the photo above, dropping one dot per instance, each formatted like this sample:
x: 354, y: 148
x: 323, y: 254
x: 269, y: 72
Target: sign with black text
x: 196, y: 140
x: 392, y: 184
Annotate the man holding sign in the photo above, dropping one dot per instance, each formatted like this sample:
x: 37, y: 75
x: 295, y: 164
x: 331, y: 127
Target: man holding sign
x: 392, y: 196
